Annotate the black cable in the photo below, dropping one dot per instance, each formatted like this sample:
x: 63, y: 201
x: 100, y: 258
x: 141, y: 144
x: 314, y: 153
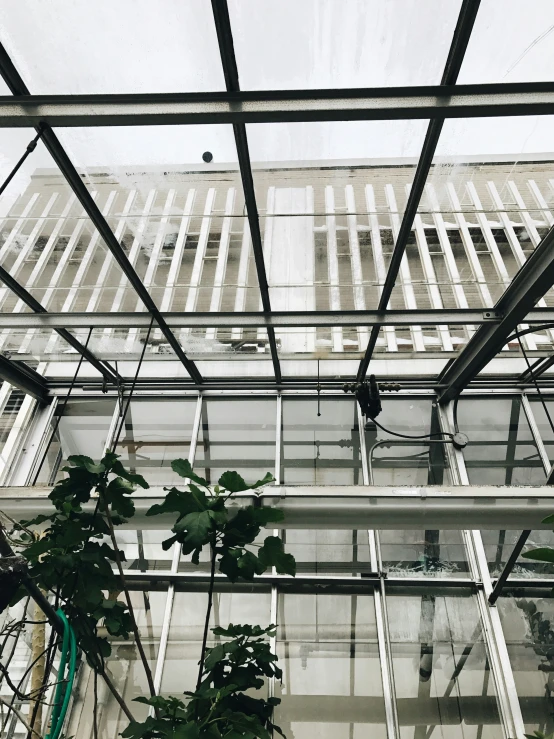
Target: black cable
x: 535, y: 383
x: 60, y: 415
x: 455, y: 414
x: 406, y: 436
x: 30, y: 147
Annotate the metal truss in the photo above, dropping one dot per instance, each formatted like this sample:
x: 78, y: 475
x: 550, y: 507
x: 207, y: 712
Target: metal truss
x: 17, y: 86
x: 24, y: 378
x: 436, y: 103
x: 274, y: 319
x: 528, y: 286
x: 239, y: 108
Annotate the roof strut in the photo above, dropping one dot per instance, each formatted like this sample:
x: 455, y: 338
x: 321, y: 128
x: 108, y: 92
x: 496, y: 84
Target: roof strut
x: 23, y: 378
x: 460, y: 40
x: 230, y: 71
x: 17, y: 86
x: 105, y: 370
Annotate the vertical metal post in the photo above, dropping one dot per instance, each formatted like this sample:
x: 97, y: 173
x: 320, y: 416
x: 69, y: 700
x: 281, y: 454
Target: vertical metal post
x: 166, y: 623
x: 278, y: 439
x: 493, y: 635
x: 536, y: 433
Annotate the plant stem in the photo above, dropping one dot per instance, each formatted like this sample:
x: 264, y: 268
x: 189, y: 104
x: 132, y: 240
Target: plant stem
x: 208, y: 611
x: 136, y: 632
x: 95, y: 706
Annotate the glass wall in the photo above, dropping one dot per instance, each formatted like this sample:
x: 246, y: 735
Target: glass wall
x: 501, y: 449
x: 321, y: 441
x: 441, y: 670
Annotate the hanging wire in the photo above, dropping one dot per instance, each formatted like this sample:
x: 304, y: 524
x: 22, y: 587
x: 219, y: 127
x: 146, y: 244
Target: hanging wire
x: 535, y: 383
x: 124, y: 414
x: 60, y: 415
x: 30, y: 147
x: 407, y: 436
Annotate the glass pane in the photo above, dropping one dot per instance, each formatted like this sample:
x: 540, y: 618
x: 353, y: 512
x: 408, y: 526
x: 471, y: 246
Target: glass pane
x: 329, y: 552
x: 187, y: 626
x: 236, y: 434
x: 421, y: 553
x: 486, y: 196
x: 320, y: 449
x: 341, y: 44
x: 10, y: 403
x: 155, y: 433
x: 83, y: 429
x: 331, y: 671
x: 501, y: 450
x: 541, y: 419
x: 129, y: 46
x: 143, y: 549
x: 527, y: 624
x: 397, y: 461
x: 500, y: 544
x: 126, y: 671
x: 432, y: 638
x: 508, y: 44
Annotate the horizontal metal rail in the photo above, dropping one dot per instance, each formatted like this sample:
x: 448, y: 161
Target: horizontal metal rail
x: 347, y: 507
x: 392, y: 103
x: 276, y: 319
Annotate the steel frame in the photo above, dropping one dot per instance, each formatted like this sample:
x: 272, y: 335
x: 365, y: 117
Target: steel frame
x: 447, y: 100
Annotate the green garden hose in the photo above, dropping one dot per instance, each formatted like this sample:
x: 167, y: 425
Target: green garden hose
x: 65, y: 685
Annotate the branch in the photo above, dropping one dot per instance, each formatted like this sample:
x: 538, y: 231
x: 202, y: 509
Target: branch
x: 13, y: 688
x: 20, y: 716
x: 136, y: 632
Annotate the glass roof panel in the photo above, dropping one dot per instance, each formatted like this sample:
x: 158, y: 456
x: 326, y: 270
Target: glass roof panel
x: 487, y: 203
x: 286, y: 44
x: 511, y: 42
x: 129, y: 46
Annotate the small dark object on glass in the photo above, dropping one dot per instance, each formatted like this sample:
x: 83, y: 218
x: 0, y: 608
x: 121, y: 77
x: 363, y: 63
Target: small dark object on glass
x: 207, y: 156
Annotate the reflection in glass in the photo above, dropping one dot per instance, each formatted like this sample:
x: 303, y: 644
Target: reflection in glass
x: 441, y: 669
x: 432, y: 553
x: 83, y: 429
x: 528, y: 628
x: 328, y: 551
x: 331, y: 671
x: 500, y: 544
x: 501, y: 449
x: 324, y: 449
x: 236, y: 434
x: 155, y: 433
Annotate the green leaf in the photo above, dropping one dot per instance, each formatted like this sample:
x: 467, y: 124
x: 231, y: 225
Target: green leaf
x: 233, y: 482
x: 215, y: 655
x: 272, y: 554
x: 119, y: 469
x: 197, y: 528
x: 184, y: 469
x: 80, y: 460
x: 176, y: 501
x: 543, y: 554
x: 186, y: 731
x: 548, y: 519
x: 249, y: 565
x: 115, y: 494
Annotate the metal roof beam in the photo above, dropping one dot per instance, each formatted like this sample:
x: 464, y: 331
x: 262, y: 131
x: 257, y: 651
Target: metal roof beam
x: 237, y: 107
x: 275, y: 319
x: 528, y: 286
x: 17, y: 86
x: 230, y: 71
x: 105, y: 370
x: 462, y: 33
x: 23, y: 378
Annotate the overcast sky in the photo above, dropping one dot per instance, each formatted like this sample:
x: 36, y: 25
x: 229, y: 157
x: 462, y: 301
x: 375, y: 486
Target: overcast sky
x: 78, y: 46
